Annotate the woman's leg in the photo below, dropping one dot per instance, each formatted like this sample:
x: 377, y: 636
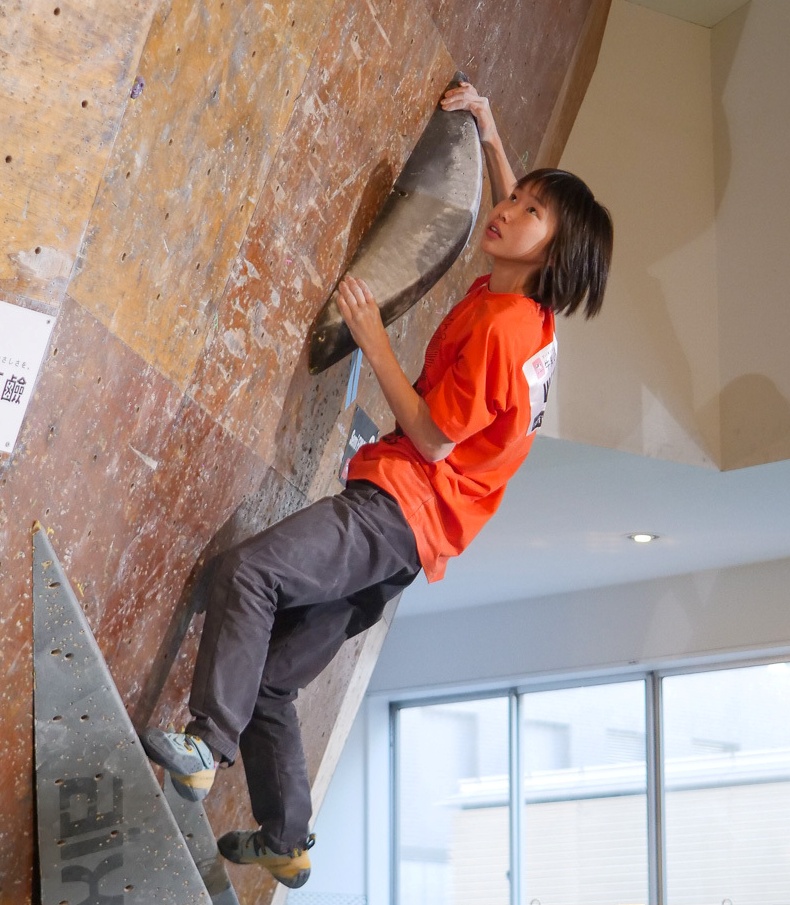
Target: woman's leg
x: 303, y: 642
x: 328, y: 552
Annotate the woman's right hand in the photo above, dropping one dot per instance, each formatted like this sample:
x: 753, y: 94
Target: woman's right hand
x: 466, y: 97
x: 500, y: 173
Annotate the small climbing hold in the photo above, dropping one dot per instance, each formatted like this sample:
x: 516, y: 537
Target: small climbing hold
x: 137, y: 88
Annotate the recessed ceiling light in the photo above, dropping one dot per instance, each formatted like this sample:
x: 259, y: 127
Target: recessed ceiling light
x: 642, y: 538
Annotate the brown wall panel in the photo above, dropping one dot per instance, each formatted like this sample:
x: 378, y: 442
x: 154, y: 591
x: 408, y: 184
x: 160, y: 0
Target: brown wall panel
x: 371, y: 88
x: 221, y: 78
x: 132, y: 481
x: 66, y: 69
x: 578, y: 68
x: 518, y: 53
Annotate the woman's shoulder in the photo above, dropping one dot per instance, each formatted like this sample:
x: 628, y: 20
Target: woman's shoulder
x: 506, y: 310
x: 505, y: 317
x: 480, y: 283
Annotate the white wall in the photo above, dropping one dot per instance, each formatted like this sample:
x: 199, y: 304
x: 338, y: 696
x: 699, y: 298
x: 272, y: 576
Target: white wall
x: 641, y: 377
x: 643, y: 625
x: 751, y: 74
x: 684, y: 133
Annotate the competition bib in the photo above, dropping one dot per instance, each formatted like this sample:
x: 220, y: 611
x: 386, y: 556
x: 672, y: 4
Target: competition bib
x: 539, y: 370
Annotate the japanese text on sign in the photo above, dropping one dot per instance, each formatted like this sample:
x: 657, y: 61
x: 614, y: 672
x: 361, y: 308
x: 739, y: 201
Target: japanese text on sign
x: 24, y: 335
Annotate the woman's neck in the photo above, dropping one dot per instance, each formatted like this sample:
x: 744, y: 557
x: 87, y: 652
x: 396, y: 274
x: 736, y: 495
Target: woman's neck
x: 513, y: 278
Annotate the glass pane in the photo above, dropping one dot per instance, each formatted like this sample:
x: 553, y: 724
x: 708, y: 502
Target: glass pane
x: 585, y: 814
x: 727, y: 755
x: 453, y: 811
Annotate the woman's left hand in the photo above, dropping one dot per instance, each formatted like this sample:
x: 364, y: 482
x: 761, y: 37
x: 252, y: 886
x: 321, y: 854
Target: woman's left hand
x: 359, y: 310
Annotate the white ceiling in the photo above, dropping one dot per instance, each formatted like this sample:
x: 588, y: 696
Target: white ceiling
x: 700, y: 12
x: 564, y: 523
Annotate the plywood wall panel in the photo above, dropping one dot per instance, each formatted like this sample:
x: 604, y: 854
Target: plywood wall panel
x: 66, y: 69
x: 580, y: 62
x: 132, y: 481
x: 193, y: 152
x: 373, y: 84
x: 518, y: 53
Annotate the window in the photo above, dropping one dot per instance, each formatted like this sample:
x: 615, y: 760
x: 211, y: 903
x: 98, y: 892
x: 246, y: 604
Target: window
x: 453, y: 795
x: 592, y: 816
x: 585, y: 821
x: 727, y: 786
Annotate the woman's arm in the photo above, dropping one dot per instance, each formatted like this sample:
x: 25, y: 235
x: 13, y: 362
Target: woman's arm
x: 500, y: 173
x: 359, y: 310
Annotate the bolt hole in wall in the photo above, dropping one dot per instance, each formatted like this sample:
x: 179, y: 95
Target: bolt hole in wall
x: 575, y: 823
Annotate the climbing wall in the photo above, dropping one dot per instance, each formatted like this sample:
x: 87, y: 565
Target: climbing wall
x: 181, y: 184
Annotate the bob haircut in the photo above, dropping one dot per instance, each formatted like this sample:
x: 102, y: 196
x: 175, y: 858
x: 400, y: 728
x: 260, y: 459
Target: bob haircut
x: 577, y: 264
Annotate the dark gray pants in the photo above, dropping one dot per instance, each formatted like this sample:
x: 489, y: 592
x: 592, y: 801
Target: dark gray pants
x: 281, y: 605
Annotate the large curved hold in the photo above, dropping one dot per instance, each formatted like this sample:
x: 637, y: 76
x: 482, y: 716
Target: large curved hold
x: 422, y: 228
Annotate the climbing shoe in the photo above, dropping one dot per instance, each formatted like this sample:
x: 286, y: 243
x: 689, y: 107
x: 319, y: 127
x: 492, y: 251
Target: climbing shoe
x: 186, y: 758
x: 245, y: 847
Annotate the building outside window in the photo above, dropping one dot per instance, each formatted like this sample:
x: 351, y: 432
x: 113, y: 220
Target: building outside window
x: 449, y: 756
x: 663, y: 789
x: 727, y: 800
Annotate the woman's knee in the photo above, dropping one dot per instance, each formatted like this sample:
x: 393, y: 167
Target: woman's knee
x: 240, y: 581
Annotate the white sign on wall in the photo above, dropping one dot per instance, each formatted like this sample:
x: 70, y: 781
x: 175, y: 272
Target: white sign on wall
x: 24, y: 335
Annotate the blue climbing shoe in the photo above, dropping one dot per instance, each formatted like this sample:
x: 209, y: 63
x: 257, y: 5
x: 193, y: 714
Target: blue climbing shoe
x: 186, y: 758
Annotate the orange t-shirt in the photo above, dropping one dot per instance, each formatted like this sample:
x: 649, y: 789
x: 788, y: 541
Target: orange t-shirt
x: 486, y: 378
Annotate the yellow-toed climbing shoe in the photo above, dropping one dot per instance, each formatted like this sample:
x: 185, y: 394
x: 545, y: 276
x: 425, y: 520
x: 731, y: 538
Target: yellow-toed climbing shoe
x: 186, y: 758
x: 292, y: 869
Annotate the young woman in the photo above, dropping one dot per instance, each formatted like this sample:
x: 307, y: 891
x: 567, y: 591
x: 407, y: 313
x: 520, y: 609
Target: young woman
x: 284, y: 601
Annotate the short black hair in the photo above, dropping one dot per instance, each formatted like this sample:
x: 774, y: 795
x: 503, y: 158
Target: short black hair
x: 578, y: 259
